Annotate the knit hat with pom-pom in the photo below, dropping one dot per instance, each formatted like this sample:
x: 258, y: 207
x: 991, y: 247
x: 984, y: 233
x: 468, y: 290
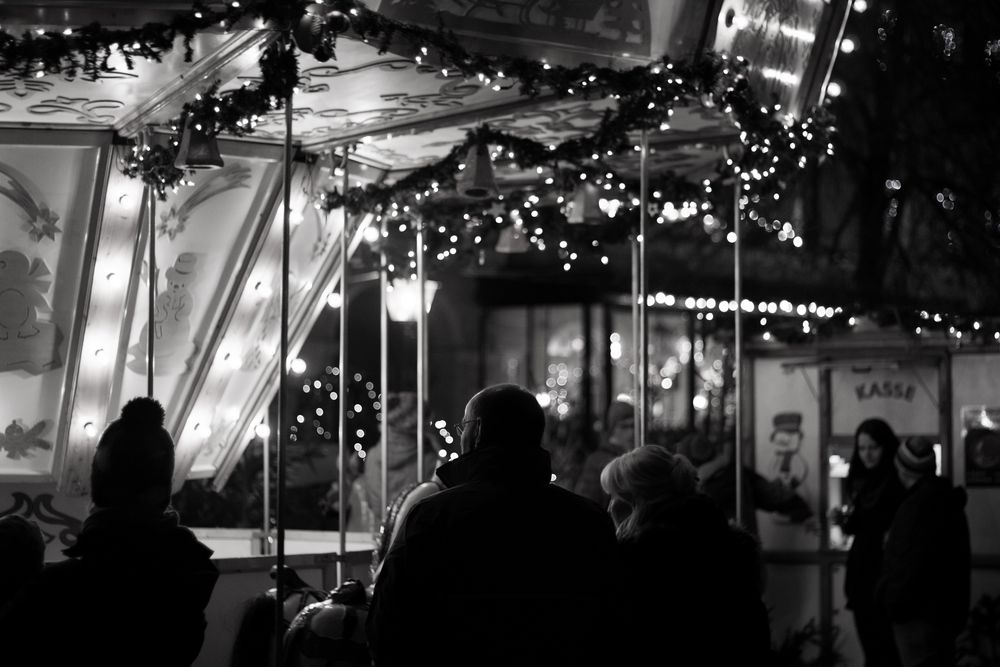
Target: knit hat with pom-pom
x: 134, y: 463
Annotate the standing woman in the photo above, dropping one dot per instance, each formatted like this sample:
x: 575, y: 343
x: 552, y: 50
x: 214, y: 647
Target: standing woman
x: 874, y: 492
x: 691, y: 583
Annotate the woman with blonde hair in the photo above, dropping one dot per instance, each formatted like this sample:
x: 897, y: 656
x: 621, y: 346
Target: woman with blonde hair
x: 685, y: 568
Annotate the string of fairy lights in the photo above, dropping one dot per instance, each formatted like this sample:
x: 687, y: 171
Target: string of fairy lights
x: 772, y: 145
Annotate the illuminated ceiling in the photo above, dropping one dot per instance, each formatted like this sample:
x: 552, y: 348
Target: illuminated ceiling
x: 73, y: 258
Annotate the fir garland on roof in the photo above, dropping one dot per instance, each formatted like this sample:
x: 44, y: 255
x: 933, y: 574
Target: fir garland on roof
x: 645, y: 95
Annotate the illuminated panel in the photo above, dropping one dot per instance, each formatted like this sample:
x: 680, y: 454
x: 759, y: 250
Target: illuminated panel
x: 97, y: 369
x: 47, y: 207
x: 203, y: 234
x: 242, y: 377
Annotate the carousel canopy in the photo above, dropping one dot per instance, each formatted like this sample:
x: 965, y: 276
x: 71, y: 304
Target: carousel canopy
x: 74, y: 277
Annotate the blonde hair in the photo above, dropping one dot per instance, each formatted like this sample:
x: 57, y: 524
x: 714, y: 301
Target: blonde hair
x: 647, y: 478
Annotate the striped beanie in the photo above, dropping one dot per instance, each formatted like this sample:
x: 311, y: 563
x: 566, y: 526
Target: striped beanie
x: 917, y: 455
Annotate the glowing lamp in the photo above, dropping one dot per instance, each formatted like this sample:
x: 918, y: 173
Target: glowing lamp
x: 403, y: 300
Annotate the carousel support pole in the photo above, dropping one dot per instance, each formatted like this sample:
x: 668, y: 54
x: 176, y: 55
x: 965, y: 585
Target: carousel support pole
x: 421, y: 348
x: 265, y: 547
x: 640, y: 275
x: 636, y: 351
x: 383, y: 326
x: 738, y: 351
x: 151, y: 282
x: 282, y: 435
x: 342, y: 423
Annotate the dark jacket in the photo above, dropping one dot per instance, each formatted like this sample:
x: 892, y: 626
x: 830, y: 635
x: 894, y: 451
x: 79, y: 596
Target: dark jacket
x: 758, y: 493
x: 133, y: 592
x: 693, y: 591
x: 502, y: 566
x: 925, y: 573
x: 873, y: 507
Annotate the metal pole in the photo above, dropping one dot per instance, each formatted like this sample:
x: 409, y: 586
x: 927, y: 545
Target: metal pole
x: 421, y: 345
x: 279, y: 505
x: 636, y: 389
x: 383, y: 326
x: 738, y: 344
x: 151, y: 283
x: 342, y: 428
x: 642, y: 361
x: 266, y: 456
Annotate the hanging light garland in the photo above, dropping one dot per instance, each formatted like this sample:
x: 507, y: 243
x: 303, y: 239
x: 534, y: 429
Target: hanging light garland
x: 645, y: 95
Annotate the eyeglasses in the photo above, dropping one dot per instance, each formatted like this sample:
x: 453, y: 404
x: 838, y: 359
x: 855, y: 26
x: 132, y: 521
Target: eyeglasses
x: 460, y: 426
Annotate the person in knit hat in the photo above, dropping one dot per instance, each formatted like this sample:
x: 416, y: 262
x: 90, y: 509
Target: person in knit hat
x: 924, y: 588
x: 136, y: 583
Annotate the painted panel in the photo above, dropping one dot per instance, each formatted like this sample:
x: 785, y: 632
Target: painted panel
x: 242, y: 373
x: 45, y: 203
x: 59, y: 517
x: 974, y: 383
x: 787, y: 446
x: 905, y: 396
x: 72, y: 100
x: 556, y: 28
x: 202, y: 233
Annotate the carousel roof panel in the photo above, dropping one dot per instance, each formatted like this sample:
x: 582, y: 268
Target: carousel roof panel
x: 126, y: 98
x: 75, y: 247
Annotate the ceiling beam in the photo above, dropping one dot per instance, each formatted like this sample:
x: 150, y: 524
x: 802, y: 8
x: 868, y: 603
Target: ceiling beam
x: 223, y: 64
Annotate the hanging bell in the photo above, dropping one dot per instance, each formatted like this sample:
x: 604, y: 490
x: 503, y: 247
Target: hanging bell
x: 308, y: 34
x: 476, y: 181
x: 584, y: 208
x: 512, y: 240
x: 198, y: 149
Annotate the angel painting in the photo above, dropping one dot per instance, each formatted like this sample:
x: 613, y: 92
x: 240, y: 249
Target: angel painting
x: 231, y: 177
x: 27, y: 342
x: 18, y: 442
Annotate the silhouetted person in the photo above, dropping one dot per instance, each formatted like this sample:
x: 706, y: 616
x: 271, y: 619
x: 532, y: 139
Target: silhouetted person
x: 717, y: 480
x: 619, y: 433
x: 501, y: 567
x: 22, y: 556
x: 692, y: 582
x: 874, y: 493
x: 136, y: 583
x: 925, y: 582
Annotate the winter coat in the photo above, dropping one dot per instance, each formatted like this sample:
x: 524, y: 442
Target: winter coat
x: 758, y: 493
x: 502, y: 566
x: 132, y: 592
x: 693, y: 592
x: 874, y: 506
x: 925, y: 573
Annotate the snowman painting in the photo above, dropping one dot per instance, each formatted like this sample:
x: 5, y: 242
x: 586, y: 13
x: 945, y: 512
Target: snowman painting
x: 26, y: 342
x: 788, y: 466
x: 171, y: 323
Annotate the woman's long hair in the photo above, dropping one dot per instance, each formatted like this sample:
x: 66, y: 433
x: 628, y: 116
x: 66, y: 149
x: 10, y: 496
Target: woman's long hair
x: 648, y: 479
x: 858, y: 475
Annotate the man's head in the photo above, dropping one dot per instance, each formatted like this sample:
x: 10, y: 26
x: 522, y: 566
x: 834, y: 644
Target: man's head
x: 619, y: 424
x: 915, y: 460
x: 134, y: 463
x: 504, y: 415
x: 787, y: 434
